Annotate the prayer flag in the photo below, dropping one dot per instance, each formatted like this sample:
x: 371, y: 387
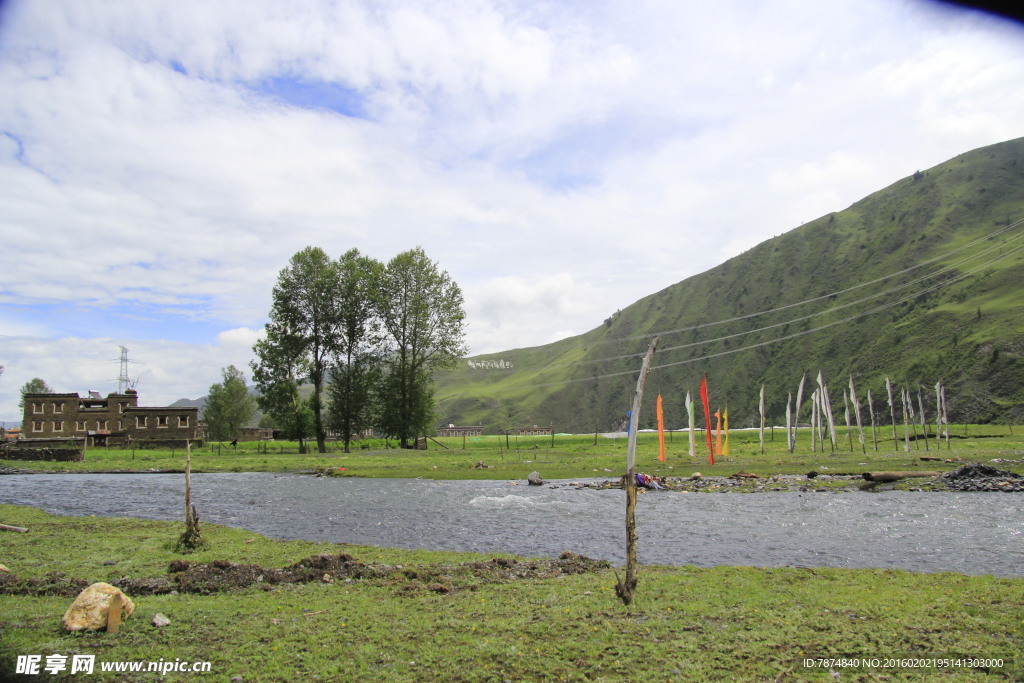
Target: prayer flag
x: 689, y: 415
x: 725, y: 419
x: 718, y: 432
x: 661, y: 430
x: 707, y: 418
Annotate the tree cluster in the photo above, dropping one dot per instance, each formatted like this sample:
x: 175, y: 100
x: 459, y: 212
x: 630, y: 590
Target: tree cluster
x: 366, y: 335
x: 229, y: 406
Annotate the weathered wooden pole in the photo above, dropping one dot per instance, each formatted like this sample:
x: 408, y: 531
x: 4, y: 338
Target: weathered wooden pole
x: 945, y: 412
x: 874, y: 430
x: 856, y: 409
x: 892, y: 414
x: 846, y: 416
x: 624, y: 587
x: 192, y: 538
x: 796, y: 413
x: 906, y: 423
x: 789, y: 422
x: 814, y: 421
x: 924, y: 422
x: 693, y: 428
x: 761, y: 409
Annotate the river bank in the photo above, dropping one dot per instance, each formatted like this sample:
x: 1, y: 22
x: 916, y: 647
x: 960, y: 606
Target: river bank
x: 562, y: 457
x: 429, y: 618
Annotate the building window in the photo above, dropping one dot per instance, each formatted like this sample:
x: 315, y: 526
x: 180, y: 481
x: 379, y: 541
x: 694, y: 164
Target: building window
x: 101, y: 424
x: 58, y: 408
x: 140, y: 422
x: 120, y: 425
x: 183, y: 420
x: 80, y: 425
x: 37, y: 426
x: 37, y: 408
x: 161, y: 421
x: 120, y: 407
x: 58, y: 425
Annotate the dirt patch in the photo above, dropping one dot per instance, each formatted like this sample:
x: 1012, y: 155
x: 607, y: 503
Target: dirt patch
x: 221, y: 575
x: 54, y: 583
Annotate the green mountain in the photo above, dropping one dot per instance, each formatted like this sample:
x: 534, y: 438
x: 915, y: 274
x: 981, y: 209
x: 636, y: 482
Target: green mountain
x: 921, y: 281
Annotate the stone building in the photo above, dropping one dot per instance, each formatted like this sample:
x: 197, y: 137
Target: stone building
x: 455, y: 430
x: 116, y: 420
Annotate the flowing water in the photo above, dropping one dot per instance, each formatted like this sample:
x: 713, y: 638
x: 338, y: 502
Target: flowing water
x: 972, y: 533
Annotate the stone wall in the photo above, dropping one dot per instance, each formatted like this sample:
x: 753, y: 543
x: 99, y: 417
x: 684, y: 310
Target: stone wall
x: 59, y: 454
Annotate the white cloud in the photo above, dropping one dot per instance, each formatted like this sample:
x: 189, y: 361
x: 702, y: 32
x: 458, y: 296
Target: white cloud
x: 559, y: 160
x: 161, y: 371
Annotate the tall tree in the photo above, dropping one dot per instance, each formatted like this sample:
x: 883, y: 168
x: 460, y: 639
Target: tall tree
x: 274, y: 372
x: 304, y: 320
x: 33, y: 386
x: 421, y: 309
x: 357, y: 346
x: 229, y: 407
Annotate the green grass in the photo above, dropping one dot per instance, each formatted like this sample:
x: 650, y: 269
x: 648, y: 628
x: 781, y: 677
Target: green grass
x: 688, y: 623
x: 571, y: 457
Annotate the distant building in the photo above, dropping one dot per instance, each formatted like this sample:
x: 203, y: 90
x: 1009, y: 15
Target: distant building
x: 454, y: 430
x: 116, y: 420
x: 533, y: 431
x: 256, y: 434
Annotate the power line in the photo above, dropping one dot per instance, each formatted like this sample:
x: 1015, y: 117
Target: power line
x: 830, y: 295
x: 839, y: 307
x: 876, y: 309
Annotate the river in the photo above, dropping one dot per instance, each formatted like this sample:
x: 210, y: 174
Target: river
x: 971, y: 533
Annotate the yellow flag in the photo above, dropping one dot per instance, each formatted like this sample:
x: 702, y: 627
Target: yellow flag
x: 725, y: 418
x: 718, y: 432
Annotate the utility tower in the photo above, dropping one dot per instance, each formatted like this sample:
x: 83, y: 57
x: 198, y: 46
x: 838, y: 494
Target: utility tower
x: 123, y: 383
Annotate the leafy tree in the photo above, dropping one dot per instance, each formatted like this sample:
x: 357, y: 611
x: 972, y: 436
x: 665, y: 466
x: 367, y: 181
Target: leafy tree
x: 355, y: 367
x: 421, y: 309
x: 229, y: 407
x: 33, y: 386
x: 303, y: 330
x: 275, y: 374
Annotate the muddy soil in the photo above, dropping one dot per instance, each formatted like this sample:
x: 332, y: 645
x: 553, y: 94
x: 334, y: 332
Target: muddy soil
x: 221, y: 575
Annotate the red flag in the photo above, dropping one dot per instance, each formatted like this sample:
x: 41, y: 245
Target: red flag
x: 661, y: 431
x: 707, y: 418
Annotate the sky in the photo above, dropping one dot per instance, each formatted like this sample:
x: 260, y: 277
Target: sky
x: 161, y: 161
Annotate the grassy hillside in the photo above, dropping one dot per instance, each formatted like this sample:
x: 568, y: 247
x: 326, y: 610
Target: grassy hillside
x: 921, y: 281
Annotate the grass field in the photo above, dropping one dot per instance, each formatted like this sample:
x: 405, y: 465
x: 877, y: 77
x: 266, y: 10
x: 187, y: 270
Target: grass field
x: 428, y: 618
x: 571, y: 456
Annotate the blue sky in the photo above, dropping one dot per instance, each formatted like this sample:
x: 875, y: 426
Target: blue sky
x: 160, y: 161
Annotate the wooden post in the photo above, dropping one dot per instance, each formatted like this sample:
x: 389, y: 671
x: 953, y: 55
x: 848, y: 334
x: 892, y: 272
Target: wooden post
x: 191, y: 538
x: 892, y: 415
x: 114, y: 613
x: 871, y: 411
x: 789, y: 422
x: 846, y: 414
x: 856, y: 408
x: 796, y: 413
x: 761, y: 410
x: 924, y: 422
x: 624, y: 588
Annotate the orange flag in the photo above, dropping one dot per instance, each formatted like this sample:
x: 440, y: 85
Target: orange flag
x: 707, y: 418
x: 661, y: 431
